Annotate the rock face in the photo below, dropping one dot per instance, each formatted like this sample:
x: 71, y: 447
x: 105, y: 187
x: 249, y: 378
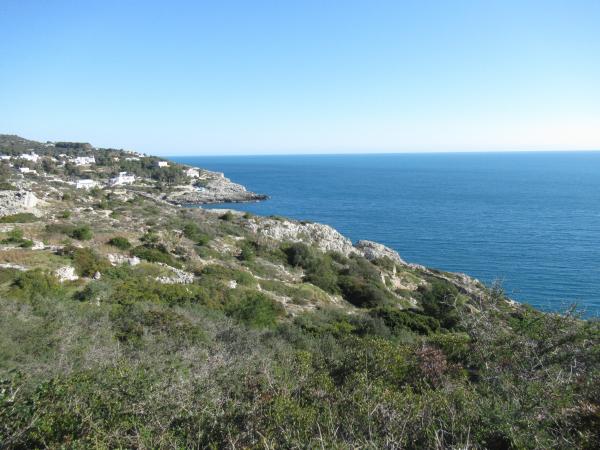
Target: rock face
x: 215, y: 189
x: 322, y: 236
x: 117, y: 260
x: 178, y: 277
x: 66, y: 273
x: 373, y: 250
x: 13, y: 202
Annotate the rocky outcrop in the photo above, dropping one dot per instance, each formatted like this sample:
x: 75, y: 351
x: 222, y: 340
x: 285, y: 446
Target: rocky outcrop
x: 66, y: 273
x: 322, y: 236
x: 213, y: 187
x: 117, y: 260
x: 373, y: 250
x: 13, y: 202
x: 178, y: 276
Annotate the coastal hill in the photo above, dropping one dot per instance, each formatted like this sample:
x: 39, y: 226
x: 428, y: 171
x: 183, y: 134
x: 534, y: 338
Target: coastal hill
x: 132, y: 317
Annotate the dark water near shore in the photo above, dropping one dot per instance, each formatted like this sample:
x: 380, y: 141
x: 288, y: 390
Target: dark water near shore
x: 531, y: 220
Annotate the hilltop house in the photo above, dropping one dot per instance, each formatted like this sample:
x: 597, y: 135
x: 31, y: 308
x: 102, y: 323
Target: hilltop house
x: 83, y: 160
x: 86, y: 184
x: 25, y: 170
x: 121, y: 179
x: 162, y: 163
x: 33, y: 157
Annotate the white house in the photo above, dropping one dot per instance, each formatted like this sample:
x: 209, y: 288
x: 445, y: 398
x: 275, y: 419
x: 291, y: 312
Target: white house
x: 5, y: 157
x: 162, y: 163
x: 27, y: 170
x: 121, y: 179
x: 33, y: 157
x: 83, y: 160
x: 192, y: 173
x: 86, y: 184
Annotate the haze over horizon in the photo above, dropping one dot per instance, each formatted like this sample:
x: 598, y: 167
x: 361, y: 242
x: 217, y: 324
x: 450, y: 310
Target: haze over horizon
x: 182, y: 78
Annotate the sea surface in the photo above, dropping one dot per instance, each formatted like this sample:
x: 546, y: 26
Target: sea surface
x: 529, y: 220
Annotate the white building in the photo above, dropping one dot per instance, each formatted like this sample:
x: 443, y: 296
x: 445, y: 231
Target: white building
x: 83, y: 160
x: 25, y: 170
x: 192, y: 173
x: 162, y: 163
x: 121, y: 179
x: 86, y: 184
x: 132, y: 158
x: 5, y: 157
x: 33, y: 157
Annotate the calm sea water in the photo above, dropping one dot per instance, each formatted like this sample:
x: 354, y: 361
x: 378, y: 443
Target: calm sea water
x: 530, y: 220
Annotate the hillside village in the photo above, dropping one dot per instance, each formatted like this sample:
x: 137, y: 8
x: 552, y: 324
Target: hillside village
x: 128, y: 319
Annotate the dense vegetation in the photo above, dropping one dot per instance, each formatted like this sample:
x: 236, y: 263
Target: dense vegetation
x: 123, y: 362
x: 263, y: 343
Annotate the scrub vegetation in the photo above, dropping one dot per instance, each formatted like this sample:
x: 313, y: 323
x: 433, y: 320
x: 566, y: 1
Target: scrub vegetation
x: 219, y: 336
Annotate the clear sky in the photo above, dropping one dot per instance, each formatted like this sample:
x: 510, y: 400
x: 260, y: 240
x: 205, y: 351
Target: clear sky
x: 194, y: 77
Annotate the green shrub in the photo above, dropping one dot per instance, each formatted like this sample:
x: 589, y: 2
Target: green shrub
x: 64, y: 214
x: 228, y: 216
x: 254, y: 309
x: 440, y: 300
x: 158, y: 255
x: 398, y: 320
x: 248, y: 251
x: 6, y: 186
x: 15, y: 237
x: 35, y: 283
x: 362, y: 293
x: 81, y: 233
x: 19, y: 218
x: 120, y: 242
x: 87, y: 262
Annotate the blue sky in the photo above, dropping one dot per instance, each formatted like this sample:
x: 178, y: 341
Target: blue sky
x: 232, y: 77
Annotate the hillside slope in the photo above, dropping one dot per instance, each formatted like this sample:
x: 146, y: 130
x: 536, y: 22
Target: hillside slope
x: 128, y: 320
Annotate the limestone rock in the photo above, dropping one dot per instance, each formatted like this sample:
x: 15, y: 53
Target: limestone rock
x: 322, y: 236
x: 13, y: 202
x: 373, y: 250
x: 66, y: 273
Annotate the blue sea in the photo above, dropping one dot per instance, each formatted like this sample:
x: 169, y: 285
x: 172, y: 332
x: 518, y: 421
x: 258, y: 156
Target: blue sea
x: 529, y: 220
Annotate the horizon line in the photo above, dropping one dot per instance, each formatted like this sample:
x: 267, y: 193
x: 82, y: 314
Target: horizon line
x: 361, y: 153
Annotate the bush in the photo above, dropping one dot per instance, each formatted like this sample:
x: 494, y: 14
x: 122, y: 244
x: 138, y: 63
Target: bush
x: 81, y: 233
x: 87, y: 262
x: 228, y: 216
x: 19, y: 218
x: 35, y: 283
x: 397, y: 321
x: 254, y: 309
x: 6, y: 186
x: 158, y: 255
x: 120, y: 242
x: 195, y: 233
x: 439, y: 300
x: 15, y: 237
x: 248, y: 251
x: 64, y: 214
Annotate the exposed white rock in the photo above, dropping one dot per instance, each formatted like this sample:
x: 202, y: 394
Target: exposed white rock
x: 13, y: 202
x: 373, y: 250
x: 12, y: 266
x: 66, y: 273
x: 117, y: 260
x: 38, y: 245
x: 322, y: 236
x: 215, y: 189
x: 232, y: 284
x: 179, y: 276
